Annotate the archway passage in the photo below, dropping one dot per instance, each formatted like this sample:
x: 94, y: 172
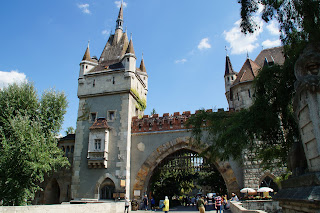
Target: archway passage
x: 107, y: 189
x: 52, y: 193
x: 142, y: 177
x: 185, y: 173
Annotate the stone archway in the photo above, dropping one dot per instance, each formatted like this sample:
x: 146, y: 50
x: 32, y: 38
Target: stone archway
x: 271, y: 177
x: 99, y: 184
x: 144, y: 174
x: 52, y: 192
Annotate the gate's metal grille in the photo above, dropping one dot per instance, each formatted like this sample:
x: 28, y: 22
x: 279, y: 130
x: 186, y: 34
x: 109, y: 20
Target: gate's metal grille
x: 184, y: 160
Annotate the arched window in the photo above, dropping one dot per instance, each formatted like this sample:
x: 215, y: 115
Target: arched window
x: 107, y: 189
x: 268, y: 182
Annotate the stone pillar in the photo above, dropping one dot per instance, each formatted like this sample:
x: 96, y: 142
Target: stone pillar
x: 301, y: 193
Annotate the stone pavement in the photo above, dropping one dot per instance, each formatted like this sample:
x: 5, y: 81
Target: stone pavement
x: 184, y: 209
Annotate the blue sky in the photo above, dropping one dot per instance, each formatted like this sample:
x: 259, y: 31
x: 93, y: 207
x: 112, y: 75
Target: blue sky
x: 183, y: 43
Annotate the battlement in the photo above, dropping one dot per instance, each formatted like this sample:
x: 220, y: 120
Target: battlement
x: 167, y: 122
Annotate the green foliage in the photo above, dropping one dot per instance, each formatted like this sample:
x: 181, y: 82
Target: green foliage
x: 299, y: 19
x: 28, y: 144
x: 142, y: 103
x: 70, y: 130
x: 153, y: 112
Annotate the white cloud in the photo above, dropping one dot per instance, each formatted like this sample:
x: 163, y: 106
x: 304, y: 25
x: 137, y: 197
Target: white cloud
x: 118, y: 3
x: 105, y: 32
x: 273, y: 27
x: 11, y: 77
x: 204, y: 44
x: 84, y: 8
x: 181, y: 61
x: 240, y: 42
x: 267, y: 43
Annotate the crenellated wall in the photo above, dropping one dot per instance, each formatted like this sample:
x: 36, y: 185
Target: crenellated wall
x: 167, y: 122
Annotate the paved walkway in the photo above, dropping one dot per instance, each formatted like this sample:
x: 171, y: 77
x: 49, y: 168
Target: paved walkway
x: 185, y: 209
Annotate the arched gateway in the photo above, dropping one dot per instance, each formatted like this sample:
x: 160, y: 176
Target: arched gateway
x: 142, y: 177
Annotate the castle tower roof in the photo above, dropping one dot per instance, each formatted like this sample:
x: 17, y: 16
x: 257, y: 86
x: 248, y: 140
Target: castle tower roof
x: 142, y: 66
x: 130, y: 48
x: 248, y: 72
x: 86, y: 56
x: 228, y: 68
x: 100, y: 123
x: 120, y: 15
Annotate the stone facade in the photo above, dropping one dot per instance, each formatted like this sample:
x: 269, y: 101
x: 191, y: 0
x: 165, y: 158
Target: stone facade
x: 116, y: 147
x: 301, y: 193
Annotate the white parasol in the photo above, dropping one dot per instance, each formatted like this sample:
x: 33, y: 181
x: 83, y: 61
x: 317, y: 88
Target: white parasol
x: 247, y: 190
x: 265, y: 189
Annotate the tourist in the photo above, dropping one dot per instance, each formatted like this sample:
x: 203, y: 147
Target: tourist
x: 127, y: 204
x: 200, y: 204
x: 224, y: 202
x: 218, y: 203
x: 145, y: 202
x: 153, y: 203
x: 166, y: 204
x: 234, y: 197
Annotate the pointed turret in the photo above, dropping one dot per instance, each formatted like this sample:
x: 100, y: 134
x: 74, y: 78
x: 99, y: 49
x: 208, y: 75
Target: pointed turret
x: 229, y: 77
x: 87, y: 63
x: 142, y: 66
x: 228, y: 68
x: 129, y: 59
x: 130, y: 48
x: 119, y: 27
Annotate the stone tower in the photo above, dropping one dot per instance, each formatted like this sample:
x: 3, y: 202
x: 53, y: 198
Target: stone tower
x: 111, y: 91
x: 229, y: 77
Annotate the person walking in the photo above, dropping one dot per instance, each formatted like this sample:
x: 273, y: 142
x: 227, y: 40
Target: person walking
x: 201, y: 203
x: 126, y: 205
x: 166, y: 204
x: 153, y: 203
x: 217, y: 203
x: 145, y: 202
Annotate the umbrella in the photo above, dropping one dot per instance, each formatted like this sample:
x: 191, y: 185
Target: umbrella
x: 265, y: 189
x: 247, y: 190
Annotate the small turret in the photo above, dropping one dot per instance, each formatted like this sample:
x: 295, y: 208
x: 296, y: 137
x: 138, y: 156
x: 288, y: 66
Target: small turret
x: 229, y: 75
x: 143, y: 72
x: 119, y: 27
x: 87, y: 63
x: 129, y: 59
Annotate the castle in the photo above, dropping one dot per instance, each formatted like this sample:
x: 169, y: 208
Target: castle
x: 116, y: 147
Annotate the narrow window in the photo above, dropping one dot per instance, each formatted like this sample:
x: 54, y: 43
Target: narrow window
x: 127, y: 59
x: 249, y: 93
x: 231, y: 77
x: 93, y: 116
x: 238, y: 96
x: 171, y: 125
x: 150, y: 126
x: 228, y: 78
x: 182, y: 125
x: 86, y: 66
x: 94, y: 83
x: 113, y: 80
x: 111, y: 115
x: 160, y: 126
x: 139, y: 127
x: 72, y: 149
x: 97, y: 144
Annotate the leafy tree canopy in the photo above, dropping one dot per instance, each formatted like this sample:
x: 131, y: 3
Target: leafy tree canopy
x: 70, y: 130
x: 28, y: 144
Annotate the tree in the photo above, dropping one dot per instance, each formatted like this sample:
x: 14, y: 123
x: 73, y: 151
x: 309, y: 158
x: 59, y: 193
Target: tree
x: 28, y: 144
x: 153, y: 112
x: 70, y: 130
x: 268, y: 128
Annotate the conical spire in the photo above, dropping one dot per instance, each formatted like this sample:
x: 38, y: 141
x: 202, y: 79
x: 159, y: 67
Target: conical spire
x: 130, y: 48
x: 228, y: 68
x: 86, y: 56
x: 142, y: 66
x: 120, y: 18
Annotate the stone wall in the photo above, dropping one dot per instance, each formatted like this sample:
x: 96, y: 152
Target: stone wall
x: 114, y: 207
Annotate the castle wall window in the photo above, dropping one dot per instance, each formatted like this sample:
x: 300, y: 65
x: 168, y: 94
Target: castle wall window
x: 228, y: 78
x: 97, y: 144
x: 139, y: 127
x: 111, y: 115
x: 249, y: 93
x: 93, y: 116
x: 231, y: 77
